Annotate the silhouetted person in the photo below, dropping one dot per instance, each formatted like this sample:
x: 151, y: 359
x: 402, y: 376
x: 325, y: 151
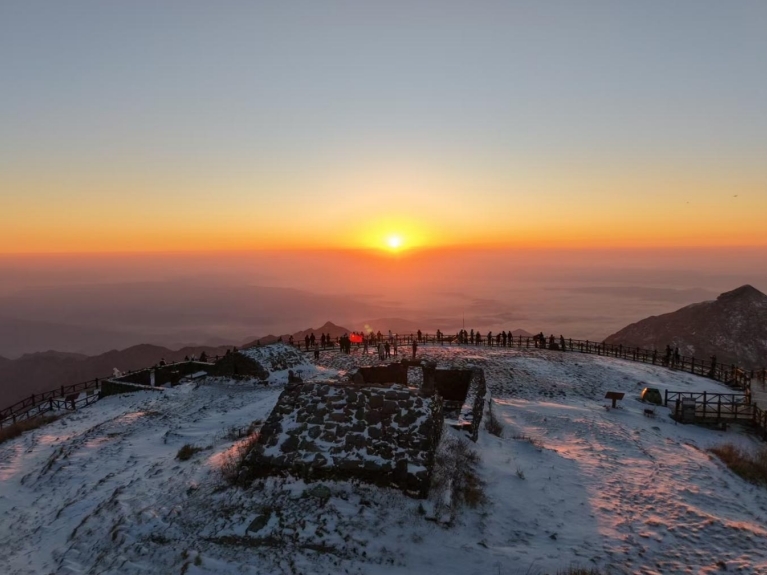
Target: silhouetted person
x: 306, y: 341
x: 415, y: 348
x: 490, y: 338
x: 712, y: 369
x: 387, y: 348
x: 561, y: 342
x: 676, y: 356
x: 419, y: 335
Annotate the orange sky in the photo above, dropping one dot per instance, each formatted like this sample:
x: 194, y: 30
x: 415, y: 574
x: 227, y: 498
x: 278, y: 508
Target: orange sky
x: 335, y: 127
x: 93, y: 212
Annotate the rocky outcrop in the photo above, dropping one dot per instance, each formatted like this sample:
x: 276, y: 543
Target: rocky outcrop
x: 260, y: 362
x: 382, y: 435
x: 733, y: 327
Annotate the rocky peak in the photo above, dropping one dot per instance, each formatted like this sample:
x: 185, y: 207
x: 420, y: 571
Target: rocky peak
x: 745, y: 293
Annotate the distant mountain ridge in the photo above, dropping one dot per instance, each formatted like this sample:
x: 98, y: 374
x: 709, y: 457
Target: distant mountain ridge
x: 733, y: 327
x: 327, y: 328
x: 39, y: 372
x: 43, y: 371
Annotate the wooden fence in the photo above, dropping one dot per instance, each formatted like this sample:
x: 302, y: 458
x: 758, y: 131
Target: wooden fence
x: 719, y: 408
x: 712, y: 407
x: 64, y: 397
x: 730, y: 375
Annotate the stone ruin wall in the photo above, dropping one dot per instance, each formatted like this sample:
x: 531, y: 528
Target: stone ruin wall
x: 382, y: 435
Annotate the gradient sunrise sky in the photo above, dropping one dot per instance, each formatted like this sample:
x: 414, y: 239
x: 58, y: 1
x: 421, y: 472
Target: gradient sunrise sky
x: 163, y: 126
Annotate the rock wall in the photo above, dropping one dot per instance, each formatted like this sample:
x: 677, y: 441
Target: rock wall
x: 260, y: 362
x: 452, y: 384
x: 172, y: 373
x: 236, y: 364
x: 112, y: 387
x: 378, y: 374
x: 382, y: 435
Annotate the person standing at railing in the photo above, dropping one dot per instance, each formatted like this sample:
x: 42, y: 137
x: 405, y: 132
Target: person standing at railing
x: 562, y: 342
x: 415, y: 347
x: 712, y: 369
x: 394, y: 347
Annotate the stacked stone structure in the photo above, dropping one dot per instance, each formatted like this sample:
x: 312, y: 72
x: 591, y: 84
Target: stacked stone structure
x: 385, y: 435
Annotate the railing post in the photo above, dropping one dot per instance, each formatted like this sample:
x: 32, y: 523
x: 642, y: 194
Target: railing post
x: 692, y: 364
x: 665, y: 399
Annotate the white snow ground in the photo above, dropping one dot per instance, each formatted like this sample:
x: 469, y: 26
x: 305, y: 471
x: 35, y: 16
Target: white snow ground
x: 100, y: 490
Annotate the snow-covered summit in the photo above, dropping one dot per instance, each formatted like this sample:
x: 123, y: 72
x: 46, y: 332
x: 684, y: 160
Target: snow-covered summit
x: 276, y: 356
x: 569, y: 482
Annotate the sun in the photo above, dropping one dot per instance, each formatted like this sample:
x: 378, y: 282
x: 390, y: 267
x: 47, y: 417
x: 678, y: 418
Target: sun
x: 394, y: 242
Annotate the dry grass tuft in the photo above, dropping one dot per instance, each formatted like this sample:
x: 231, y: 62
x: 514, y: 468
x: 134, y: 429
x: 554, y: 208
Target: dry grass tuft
x: 455, y: 482
x: 16, y: 429
x: 234, y: 460
x: 750, y: 465
x: 493, y: 425
x: 187, y: 452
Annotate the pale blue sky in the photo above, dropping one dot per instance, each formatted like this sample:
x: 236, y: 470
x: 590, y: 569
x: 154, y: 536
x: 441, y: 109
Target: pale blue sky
x: 487, y: 90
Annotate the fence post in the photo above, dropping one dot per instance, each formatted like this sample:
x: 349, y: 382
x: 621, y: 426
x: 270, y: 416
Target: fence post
x: 692, y: 364
x: 665, y: 399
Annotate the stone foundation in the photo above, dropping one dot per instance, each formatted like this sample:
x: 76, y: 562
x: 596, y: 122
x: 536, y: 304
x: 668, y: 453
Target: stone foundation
x: 381, y: 435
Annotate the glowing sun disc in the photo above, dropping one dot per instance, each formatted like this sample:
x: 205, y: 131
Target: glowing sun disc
x: 394, y: 242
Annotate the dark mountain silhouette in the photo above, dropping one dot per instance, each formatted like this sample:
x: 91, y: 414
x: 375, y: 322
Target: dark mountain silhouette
x: 38, y: 372
x: 43, y: 371
x: 396, y: 325
x: 522, y: 332
x: 327, y: 328
x: 734, y: 327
